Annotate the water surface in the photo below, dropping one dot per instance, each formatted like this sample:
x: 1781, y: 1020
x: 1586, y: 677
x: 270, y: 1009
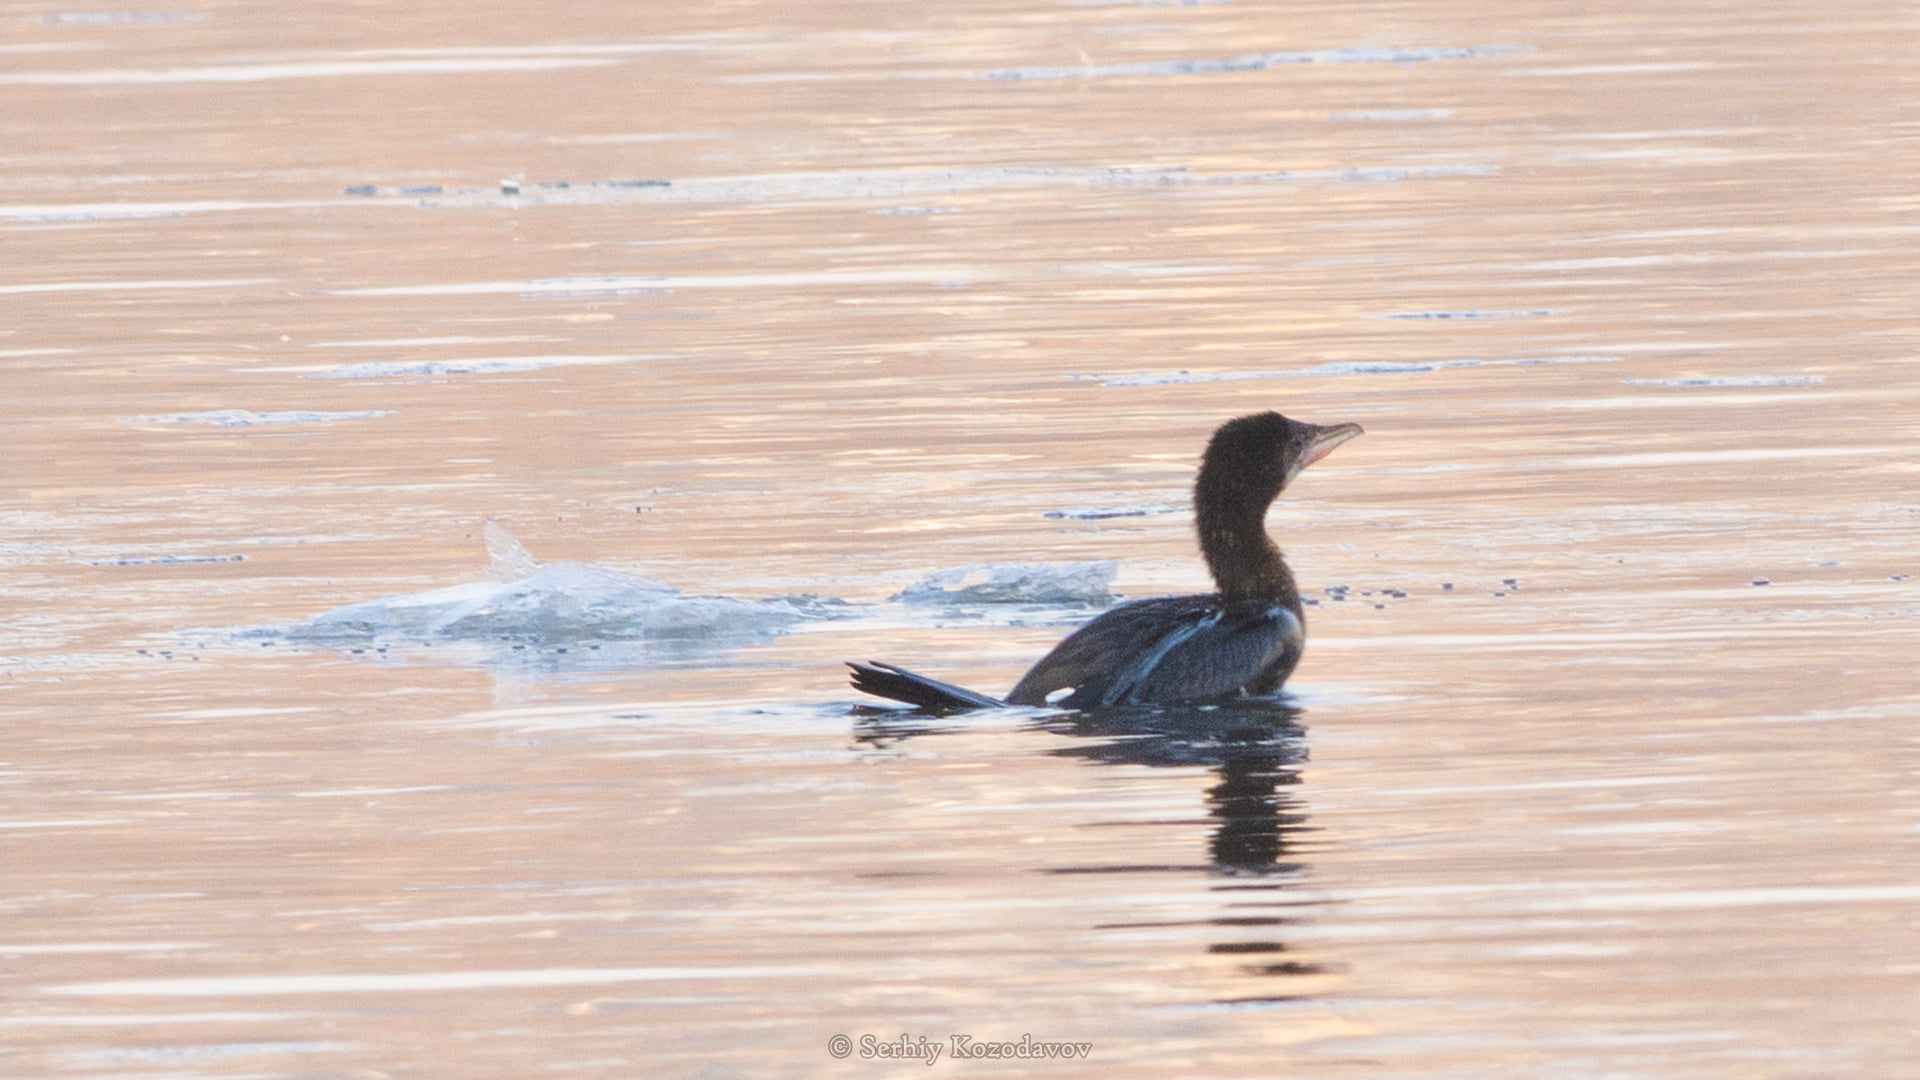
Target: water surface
x: 764, y: 325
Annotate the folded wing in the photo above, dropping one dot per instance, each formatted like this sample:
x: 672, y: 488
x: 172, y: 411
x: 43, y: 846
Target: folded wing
x: 1169, y: 649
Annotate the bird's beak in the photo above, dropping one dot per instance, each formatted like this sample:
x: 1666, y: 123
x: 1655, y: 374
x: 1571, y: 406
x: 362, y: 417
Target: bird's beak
x: 1324, y: 439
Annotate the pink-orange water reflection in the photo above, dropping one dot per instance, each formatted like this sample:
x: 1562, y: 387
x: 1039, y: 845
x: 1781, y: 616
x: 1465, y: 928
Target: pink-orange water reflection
x: 1604, y: 764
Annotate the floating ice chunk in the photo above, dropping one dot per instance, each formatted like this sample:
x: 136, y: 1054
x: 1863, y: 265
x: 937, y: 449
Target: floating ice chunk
x: 555, y: 604
x: 1734, y: 380
x: 1386, y: 367
x: 1101, y: 513
x: 1253, y: 62
x: 429, y: 368
x: 507, y: 558
x: 1078, y: 583
x: 166, y: 560
x: 562, y: 602
x: 425, y: 368
x: 248, y: 418
x: 1334, y: 368
x: 1416, y: 172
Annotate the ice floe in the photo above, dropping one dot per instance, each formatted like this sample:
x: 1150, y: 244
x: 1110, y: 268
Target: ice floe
x: 166, y: 560
x: 1078, y: 584
x: 493, y: 365
x: 526, y: 601
x: 1367, y: 54
x: 573, y: 616
x: 1102, y: 513
x: 248, y: 418
x: 1733, y: 380
x: 1335, y: 368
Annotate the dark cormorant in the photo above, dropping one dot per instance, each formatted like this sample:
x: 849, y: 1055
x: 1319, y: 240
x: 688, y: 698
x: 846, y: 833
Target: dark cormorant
x: 1240, y: 641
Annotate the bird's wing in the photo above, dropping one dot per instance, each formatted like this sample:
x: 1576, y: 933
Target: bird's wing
x: 1169, y: 648
x: 1090, y: 657
x: 1241, y: 646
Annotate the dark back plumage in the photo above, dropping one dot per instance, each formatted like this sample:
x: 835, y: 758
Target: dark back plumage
x: 1167, y: 649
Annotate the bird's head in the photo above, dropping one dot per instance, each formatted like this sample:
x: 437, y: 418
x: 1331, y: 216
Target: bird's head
x: 1262, y: 453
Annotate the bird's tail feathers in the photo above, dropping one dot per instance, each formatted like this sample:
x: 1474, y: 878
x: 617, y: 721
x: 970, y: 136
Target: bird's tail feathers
x: 899, y: 684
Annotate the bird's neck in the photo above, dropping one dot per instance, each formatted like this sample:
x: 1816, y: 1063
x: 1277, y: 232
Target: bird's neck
x: 1245, y: 562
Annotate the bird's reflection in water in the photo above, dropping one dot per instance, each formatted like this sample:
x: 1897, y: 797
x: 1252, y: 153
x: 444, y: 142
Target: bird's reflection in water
x: 1255, y: 749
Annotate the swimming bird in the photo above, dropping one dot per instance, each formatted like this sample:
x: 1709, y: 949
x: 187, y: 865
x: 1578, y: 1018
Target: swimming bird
x: 1241, y: 641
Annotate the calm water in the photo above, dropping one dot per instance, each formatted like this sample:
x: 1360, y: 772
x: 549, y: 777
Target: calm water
x: 1601, y: 762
